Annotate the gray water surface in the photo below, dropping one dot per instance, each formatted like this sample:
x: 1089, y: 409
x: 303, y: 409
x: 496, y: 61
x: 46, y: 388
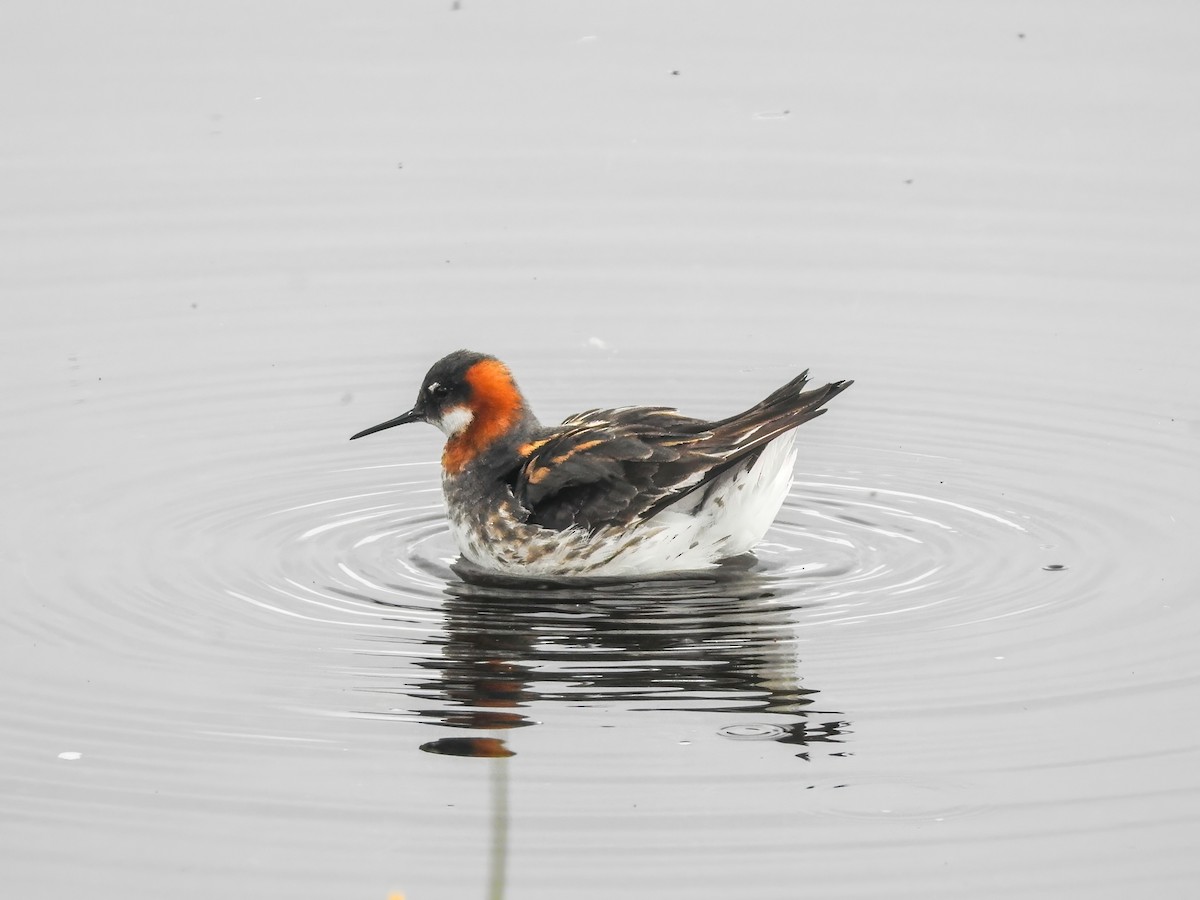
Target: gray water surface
x: 238, y: 658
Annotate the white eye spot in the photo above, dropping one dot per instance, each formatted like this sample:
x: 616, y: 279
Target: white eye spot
x: 433, y: 386
x: 454, y: 420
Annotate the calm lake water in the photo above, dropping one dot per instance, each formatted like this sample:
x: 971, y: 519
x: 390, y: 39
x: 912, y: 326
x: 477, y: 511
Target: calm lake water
x: 237, y: 659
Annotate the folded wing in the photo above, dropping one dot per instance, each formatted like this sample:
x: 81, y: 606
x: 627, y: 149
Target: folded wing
x: 619, y: 466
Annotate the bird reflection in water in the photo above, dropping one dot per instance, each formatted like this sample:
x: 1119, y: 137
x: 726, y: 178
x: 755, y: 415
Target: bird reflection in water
x: 719, y: 643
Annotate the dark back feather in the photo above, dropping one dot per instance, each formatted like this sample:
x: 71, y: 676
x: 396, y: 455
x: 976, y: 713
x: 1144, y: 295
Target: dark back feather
x: 619, y: 466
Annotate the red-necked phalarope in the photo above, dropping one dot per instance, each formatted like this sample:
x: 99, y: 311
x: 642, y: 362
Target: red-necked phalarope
x: 634, y: 491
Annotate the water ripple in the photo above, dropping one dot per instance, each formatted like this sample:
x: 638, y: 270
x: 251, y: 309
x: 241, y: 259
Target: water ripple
x: 899, y: 596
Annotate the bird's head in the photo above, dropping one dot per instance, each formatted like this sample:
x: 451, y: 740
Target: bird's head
x: 472, y: 398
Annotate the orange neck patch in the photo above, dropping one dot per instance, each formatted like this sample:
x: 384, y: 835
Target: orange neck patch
x: 496, y: 406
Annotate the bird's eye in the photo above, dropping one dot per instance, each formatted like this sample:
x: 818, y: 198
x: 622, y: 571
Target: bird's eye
x: 438, y: 391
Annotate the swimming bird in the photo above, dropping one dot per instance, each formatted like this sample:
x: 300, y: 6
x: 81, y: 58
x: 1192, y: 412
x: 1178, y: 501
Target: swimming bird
x: 631, y: 492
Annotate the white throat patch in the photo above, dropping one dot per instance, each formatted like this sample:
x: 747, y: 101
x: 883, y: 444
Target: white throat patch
x: 455, y: 420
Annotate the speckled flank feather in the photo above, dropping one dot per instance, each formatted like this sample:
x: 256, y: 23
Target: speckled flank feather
x: 625, y: 492
x: 696, y: 532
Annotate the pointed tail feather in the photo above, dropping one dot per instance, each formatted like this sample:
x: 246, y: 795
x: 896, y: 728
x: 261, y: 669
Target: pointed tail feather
x: 740, y: 438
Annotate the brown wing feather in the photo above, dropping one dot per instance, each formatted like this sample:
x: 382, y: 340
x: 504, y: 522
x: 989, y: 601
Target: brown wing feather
x: 616, y: 466
x: 604, y: 473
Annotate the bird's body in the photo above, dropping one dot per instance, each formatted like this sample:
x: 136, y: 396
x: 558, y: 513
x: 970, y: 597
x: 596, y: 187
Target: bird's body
x: 626, y: 492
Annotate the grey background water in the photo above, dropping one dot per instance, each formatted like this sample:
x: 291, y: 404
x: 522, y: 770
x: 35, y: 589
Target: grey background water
x: 965, y: 663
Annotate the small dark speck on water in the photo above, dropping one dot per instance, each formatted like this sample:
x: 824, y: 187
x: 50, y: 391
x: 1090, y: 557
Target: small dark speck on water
x: 1020, y: 35
x: 1054, y: 567
x: 195, y: 306
x: 908, y: 181
x: 674, y: 71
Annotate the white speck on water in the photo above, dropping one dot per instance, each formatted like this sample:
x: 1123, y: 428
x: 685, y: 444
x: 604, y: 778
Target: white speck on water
x: 70, y: 754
